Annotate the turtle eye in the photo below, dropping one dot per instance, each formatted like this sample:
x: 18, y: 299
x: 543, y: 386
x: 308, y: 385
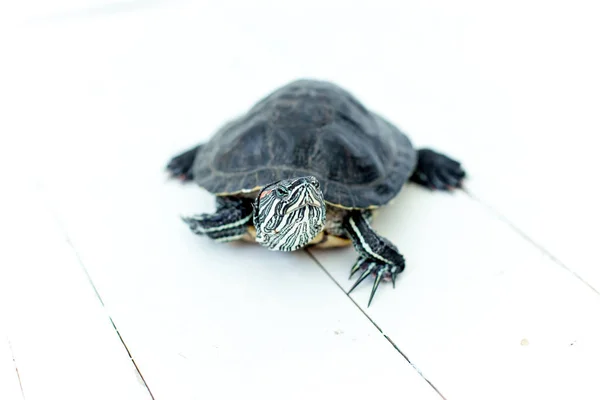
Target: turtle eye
x: 281, y: 191
x: 316, y: 184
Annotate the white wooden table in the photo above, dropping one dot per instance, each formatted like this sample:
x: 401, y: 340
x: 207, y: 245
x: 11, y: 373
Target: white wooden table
x: 104, y: 293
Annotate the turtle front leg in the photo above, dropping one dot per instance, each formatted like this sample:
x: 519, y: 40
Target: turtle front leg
x: 229, y: 222
x: 377, y: 255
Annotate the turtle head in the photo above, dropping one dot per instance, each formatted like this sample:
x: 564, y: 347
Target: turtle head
x: 288, y: 214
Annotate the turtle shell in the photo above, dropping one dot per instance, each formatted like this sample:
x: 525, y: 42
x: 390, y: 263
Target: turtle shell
x: 309, y: 127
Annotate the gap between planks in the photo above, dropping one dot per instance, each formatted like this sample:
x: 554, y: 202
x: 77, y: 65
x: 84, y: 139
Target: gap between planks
x: 528, y: 238
x: 12, y: 354
x: 375, y: 324
x: 39, y: 187
x: 474, y: 198
x: 501, y: 217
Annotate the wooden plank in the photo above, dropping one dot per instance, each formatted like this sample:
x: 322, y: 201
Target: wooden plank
x: 133, y: 93
x: 61, y: 336
x: 545, y: 145
x: 204, y: 319
x: 480, y: 311
x: 201, y: 320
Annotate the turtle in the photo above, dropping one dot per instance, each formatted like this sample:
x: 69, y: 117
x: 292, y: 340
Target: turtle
x: 309, y: 165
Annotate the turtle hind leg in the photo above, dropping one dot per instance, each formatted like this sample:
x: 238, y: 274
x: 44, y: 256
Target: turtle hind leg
x: 180, y: 166
x: 437, y: 171
x: 230, y: 221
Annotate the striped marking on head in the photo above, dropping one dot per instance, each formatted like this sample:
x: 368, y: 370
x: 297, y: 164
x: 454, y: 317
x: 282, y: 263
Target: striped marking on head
x: 290, y: 213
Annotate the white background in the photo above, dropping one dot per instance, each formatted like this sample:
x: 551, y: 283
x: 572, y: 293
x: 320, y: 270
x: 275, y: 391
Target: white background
x: 106, y: 295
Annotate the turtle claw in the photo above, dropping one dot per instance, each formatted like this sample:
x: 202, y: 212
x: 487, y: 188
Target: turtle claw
x: 381, y: 272
x: 194, y: 223
x: 394, y: 275
x: 357, y: 266
x: 375, y: 285
x: 361, y: 278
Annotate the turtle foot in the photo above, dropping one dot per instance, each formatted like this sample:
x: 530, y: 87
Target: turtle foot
x: 438, y: 171
x: 379, y: 270
x: 180, y: 166
x: 229, y: 222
